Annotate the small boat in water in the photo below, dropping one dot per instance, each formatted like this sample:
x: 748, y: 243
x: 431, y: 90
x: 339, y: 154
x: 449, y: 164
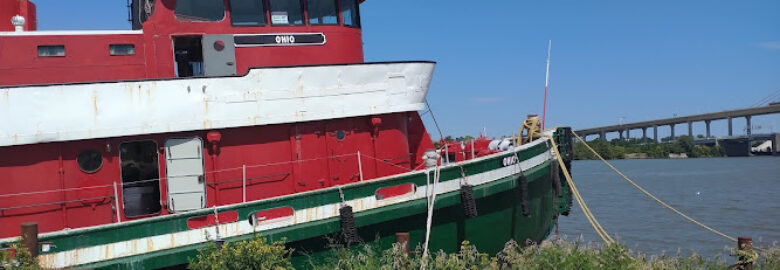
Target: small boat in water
x: 214, y: 120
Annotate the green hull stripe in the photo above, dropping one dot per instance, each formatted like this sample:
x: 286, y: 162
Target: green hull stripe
x: 380, y: 215
x: 112, y: 233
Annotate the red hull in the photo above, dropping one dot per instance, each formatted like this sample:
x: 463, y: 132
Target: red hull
x: 281, y: 159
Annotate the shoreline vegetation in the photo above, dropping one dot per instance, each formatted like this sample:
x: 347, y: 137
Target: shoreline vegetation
x: 258, y: 253
x: 682, y: 147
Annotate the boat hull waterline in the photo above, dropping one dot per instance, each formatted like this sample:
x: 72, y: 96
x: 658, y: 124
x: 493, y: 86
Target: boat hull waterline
x: 165, y: 241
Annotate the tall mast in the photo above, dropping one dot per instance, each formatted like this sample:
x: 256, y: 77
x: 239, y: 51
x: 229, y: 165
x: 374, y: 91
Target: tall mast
x: 546, y: 83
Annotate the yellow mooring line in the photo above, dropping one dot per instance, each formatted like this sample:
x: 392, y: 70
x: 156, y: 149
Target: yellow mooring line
x: 591, y: 218
x: 650, y: 194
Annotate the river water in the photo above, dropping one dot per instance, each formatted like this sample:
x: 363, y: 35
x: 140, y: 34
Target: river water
x: 737, y: 196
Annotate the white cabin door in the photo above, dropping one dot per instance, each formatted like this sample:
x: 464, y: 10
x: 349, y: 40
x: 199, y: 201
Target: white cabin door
x: 184, y: 170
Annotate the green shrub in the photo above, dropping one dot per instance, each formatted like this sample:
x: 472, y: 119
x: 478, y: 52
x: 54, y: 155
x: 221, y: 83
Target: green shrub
x: 251, y: 254
x: 770, y: 259
x: 23, y: 259
x: 561, y: 254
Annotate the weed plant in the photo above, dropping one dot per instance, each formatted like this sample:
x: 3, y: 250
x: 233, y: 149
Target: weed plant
x: 550, y: 255
x: 258, y: 253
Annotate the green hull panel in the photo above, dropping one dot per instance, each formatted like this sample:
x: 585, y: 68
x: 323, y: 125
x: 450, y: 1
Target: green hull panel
x: 499, y: 204
x: 500, y: 219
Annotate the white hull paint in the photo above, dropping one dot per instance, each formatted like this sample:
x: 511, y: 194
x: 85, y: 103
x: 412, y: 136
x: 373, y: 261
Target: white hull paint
x: 300, y: 216
x: 51, y: 113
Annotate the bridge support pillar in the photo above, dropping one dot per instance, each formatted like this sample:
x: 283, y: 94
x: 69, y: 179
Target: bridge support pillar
x: 628, y: 134
x: 655, y: 134
x: 731, y: 131
x: 690, y: 129
x: 644, y: 134
x: 603, y: 135
x: 672, y: 128
x: 748, y: 127
x: 620, y: 134
x: 707, y: 124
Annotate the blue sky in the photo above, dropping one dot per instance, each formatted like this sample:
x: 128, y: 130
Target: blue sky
x: 635, y: 60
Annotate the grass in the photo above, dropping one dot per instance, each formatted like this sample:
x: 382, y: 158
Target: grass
x: 258, y: 253
x: 550, y: 255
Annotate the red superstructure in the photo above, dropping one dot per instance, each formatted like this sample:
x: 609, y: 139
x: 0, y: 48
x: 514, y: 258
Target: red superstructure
x: 87, y: 55
x: 74, y: 184
x: 23, y: 8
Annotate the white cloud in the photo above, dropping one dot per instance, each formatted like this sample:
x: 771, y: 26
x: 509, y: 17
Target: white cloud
x: 772, y: 45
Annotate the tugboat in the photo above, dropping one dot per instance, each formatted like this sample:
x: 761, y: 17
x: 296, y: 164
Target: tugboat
x: 214, y: 120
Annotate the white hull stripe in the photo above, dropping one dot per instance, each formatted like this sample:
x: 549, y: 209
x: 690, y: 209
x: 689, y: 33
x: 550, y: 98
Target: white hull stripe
x: 179, y: 239
x: 34, y: 114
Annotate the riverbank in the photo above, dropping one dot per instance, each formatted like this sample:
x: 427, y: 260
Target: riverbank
x: 682, y: 147
x: 550, y: 255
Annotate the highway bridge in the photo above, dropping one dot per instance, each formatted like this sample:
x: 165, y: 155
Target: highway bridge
x: 707, y: 118
x: 734, y: 145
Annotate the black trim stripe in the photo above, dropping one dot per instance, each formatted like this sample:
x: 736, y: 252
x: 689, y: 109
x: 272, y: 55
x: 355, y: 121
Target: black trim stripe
x: 280, y: 39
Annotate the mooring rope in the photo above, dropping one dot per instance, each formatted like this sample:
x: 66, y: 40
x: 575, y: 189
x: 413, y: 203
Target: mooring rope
x: 431, y: 196
x: 585, y: 210
x: 637, y: 186
x: 650, y: 194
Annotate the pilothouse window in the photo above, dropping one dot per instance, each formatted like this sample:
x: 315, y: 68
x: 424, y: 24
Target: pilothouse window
x: 247, y: 12
x: 286, y: 12
x: 322, y: 12
x: 140, y: 178
x: 350, y: 13
x: 200, y: 10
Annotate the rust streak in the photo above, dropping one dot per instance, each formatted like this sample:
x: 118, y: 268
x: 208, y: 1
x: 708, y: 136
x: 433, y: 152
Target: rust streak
x: 129, y: 90
x: 95, y: 103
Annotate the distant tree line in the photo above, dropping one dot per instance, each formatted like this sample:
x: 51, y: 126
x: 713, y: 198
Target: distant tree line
x: 617, y: 148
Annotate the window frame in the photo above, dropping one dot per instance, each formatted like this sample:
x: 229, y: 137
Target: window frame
x: 266, y: 14
x: 304, y: 13
x: 359, y: 24
x: 64, y: 50
x: 81, y: 167
x: 337, y: 5
x: 122, y: 182
x: 121, y: 44
x: 184, y: 20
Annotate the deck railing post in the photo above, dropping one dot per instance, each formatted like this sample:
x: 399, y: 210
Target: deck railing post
x: 360, y: 166
x: 447, y: 152
x: 243, y: 186
x: 472, y: 147
x: 116, y: 204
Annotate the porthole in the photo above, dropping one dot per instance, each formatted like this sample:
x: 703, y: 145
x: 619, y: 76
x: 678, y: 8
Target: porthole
x: 90, y: 161
x: 340, y: 135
